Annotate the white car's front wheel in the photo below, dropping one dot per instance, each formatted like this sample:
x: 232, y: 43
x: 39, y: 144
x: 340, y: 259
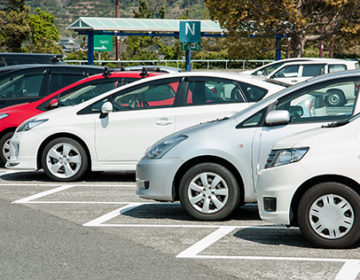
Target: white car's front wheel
x: 209, y: 191
x: 329, y: 215
x: 64, y: 159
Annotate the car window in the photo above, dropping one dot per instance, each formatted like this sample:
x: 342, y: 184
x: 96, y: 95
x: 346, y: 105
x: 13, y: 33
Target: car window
x: 159, y: 94
x: 85, y: 93
x: 252, y: 93
x: 58, y: 80
x: 208, y: 91
x: 21, y: 85
x: 336, y: 67
x: 268, y: 69
x: 254, y: 120
x: 128, y: 80
x: 290, y: 71
x: 311, y: 70
x: 332, y: 101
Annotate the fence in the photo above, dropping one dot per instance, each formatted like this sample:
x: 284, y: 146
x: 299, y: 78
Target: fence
x: 180, y: 63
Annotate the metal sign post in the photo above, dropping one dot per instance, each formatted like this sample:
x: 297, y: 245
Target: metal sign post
x: 189, y: 37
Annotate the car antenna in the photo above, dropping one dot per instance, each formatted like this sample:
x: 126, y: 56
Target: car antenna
x: 144, y: 73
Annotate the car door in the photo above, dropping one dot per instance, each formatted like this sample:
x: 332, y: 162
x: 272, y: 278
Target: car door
x: 141, y: 115
x: 209, y: 98
x: 21, y: 86
x: 308, y: 109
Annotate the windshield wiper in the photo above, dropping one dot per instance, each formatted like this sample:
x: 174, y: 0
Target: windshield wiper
x: 336, y: 124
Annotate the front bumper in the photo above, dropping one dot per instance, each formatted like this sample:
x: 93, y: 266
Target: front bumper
x: 23, y: 150
x: 154, y: 178
x: 277, y: 187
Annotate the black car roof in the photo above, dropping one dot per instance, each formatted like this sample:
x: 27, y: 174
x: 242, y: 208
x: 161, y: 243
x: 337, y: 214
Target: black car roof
x: 26, y: 66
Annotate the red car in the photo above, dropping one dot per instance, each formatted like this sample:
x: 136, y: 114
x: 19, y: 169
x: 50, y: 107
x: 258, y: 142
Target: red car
x: 85, y: 89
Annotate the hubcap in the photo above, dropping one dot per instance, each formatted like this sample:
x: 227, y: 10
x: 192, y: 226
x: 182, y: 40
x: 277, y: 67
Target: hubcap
x: 331, y: 216
x: 6, y: 149
x: 334, y: 99
x: 63, y: 160
x: 208, y: 192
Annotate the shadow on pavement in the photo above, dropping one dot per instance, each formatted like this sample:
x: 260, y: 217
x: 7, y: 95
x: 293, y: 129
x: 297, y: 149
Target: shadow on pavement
x: 174, y: 211
x: 40, y: 176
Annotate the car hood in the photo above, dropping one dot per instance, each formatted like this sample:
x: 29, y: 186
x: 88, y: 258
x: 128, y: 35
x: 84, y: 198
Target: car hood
x: 57, y: 113
x: 15, y: 108
x: 312, y: 137
x: 202, y: 128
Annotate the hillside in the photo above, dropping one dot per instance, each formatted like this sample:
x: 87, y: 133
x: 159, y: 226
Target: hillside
x: 67, y: 11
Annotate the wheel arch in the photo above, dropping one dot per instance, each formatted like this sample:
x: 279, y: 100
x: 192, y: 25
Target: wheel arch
x: 314, y: 181
x: 58, y: 135
x: 201, y: 159
x: 9, y: 129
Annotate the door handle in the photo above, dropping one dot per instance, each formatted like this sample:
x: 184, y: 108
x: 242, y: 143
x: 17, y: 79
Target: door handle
x: 163, y: 122
x: 294, y: 81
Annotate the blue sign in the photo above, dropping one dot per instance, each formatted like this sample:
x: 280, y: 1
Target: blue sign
x: 189, y: 32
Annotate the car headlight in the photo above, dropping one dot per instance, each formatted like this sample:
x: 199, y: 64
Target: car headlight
x: 30, y: 124
x: 285, y: 156
x: 159, y: 150
x: 3, y: 116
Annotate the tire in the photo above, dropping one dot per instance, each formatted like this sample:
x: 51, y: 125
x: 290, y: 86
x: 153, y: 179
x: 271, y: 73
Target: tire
x: 336, y: 97
x: 64, y: 166
x: 329, y: 215
x: 210, y: 202
x: 5, y: 147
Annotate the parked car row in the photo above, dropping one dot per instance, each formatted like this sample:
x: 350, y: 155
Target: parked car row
x: 213, y: 133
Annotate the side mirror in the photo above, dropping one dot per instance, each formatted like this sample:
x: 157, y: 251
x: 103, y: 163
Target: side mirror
x: 106, y: 108
x: 54, y: 103
x: 277, y: 117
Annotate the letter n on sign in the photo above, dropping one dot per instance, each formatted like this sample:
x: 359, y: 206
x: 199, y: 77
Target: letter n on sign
x: 189, y: 32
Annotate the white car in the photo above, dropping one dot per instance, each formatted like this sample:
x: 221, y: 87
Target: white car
x: 267, y: 69
x: 295, y: 72
x: 312, y: 180
x: 112, y: 130
x: 213, y: 168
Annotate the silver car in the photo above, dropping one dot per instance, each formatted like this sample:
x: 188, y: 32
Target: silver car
x: 212, y: 168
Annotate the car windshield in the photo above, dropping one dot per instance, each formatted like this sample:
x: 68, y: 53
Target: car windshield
x: 85, y: 93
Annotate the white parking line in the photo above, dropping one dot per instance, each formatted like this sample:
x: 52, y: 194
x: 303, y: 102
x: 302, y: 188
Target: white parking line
x: 349, y: 271
x: 42, y: 194
x: 111, y: 215
x: 206, y: 242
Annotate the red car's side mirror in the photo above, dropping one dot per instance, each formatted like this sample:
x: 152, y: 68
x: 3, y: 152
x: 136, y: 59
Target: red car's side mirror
x: 53, y: 103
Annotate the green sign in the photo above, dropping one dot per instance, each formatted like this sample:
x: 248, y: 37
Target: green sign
x: 189, y: 31
x: 103, y: 43
x: 191, y: 46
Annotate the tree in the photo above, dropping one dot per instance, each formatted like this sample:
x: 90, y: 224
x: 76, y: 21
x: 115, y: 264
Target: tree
x: 44, y: 33
x: 14, y: 28
x: 301, y: 20
x: 24, y: 32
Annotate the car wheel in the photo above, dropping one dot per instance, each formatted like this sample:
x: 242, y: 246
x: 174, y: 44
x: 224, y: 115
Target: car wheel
x: 336, y: 97
x: 64, y: 159
x: 5, y: 147
x: 329, y: 215
x: 209, y: 191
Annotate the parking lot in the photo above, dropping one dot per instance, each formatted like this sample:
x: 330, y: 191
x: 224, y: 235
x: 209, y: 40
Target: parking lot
x: 243, y: 247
